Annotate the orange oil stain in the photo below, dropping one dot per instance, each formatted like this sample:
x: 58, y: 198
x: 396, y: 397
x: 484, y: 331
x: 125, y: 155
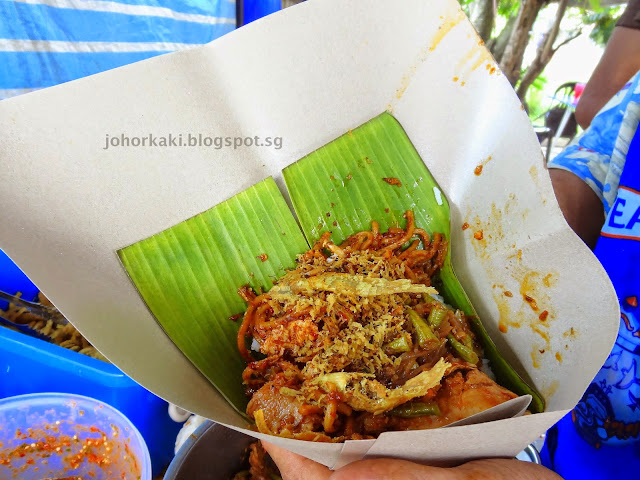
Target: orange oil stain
x: 492, y: 234
x: 472, y: 53
x: 445, y: 28
x: 449, y: 22
x: 531, y: 301
x: 481, y: 165
x: 511, y: 204
x: 533, y: 173
x: 532, y: 308
x: 517, y: 256
x: 475, y: 56
x: 535, y: 358
x: 506, y: 317
x: 536, y: 328
x: 530, y: 286
x: 550, y: 391
x: 465, y: 225
x: 559, y: 357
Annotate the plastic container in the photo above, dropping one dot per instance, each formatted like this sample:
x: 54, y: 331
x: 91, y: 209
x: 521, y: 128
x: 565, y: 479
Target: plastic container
x: 55, y: 435
x: 212, y: 452
x: 29, y: 365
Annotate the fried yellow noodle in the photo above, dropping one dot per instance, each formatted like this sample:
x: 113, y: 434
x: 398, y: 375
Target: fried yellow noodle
x: 64, y: 335
x: 356, y: 344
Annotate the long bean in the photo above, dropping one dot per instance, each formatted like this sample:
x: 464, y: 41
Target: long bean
x: 466, y: 353
x: 436, y: 315
x: 417, y: 409
x: 424, y: 333
x: 398, y: 345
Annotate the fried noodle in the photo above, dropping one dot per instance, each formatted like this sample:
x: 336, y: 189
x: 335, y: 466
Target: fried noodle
x: 356, y: 342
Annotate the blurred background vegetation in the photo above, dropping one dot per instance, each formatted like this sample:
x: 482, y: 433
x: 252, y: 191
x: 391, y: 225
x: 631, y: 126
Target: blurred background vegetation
x: 542, y: 44
x: 527, y: 37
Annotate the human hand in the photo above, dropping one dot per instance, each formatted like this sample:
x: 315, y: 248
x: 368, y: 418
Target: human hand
x: 296, y: 467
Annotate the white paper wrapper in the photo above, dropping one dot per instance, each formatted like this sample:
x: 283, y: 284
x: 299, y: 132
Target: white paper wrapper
x: 307, y: 74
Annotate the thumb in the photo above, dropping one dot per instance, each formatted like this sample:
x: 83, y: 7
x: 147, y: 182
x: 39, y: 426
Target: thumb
x: 295, y: 467
x: 393, y: 469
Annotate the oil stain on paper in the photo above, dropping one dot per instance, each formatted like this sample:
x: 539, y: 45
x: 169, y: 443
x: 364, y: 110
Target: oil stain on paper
x: 448, y: 23
x: 525, y: 302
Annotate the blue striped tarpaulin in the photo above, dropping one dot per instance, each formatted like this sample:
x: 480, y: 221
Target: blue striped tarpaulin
x: 47, y: 42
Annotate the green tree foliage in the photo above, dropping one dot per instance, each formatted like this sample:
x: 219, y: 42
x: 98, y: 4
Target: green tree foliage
x: 506, y: 25
x: 603, y: 21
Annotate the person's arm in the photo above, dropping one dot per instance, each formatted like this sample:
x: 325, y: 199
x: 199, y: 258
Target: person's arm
x: 581, y: 207
x: 620, y: 61
x: 583, y: 181
x: 295, y: 467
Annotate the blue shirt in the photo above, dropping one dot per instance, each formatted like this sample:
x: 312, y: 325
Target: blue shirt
x: 600, y: 438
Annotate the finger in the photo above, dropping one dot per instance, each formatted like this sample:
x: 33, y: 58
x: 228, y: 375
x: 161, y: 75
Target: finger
x: 505, y: 469
x: 391, y: 469
x: 295, y: 467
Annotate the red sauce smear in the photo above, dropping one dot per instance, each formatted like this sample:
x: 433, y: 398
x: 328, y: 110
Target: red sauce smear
x: 479, y: 235
x: 478, y: 170
x: 465, y: 225
x: 263, y: 258
x: 392, y: 181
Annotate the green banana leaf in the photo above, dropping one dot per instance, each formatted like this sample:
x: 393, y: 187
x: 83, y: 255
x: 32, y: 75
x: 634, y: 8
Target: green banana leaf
x: 340, y: 188
x: 189, y: 276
